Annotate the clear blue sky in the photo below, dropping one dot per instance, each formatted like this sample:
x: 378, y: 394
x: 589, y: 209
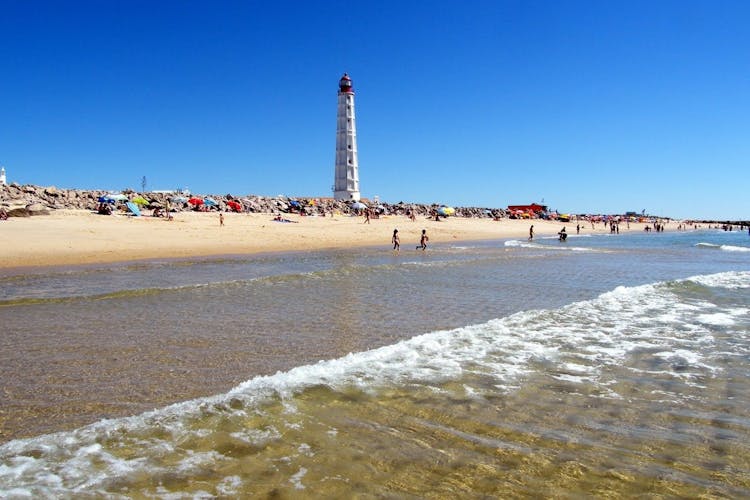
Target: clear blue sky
x: 600, y: 107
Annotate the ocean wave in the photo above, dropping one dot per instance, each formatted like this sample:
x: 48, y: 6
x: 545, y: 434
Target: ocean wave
x: 726, y: 248
x: 576, y: 343
x: 119, y: 294
x: 68, y: 294
x: 537, y: 246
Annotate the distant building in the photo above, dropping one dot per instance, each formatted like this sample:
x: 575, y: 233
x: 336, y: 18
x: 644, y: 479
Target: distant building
x: 346, y: 180
x: 3, y: 181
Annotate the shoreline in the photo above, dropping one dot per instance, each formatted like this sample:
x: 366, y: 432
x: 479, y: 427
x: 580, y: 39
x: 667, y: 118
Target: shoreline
x: 81, y: 237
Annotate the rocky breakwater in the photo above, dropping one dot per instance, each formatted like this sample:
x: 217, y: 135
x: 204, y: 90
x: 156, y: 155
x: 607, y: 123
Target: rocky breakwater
x: 27, y: 200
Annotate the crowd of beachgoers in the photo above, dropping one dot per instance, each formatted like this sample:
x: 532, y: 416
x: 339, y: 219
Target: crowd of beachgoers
x: 27, y: 200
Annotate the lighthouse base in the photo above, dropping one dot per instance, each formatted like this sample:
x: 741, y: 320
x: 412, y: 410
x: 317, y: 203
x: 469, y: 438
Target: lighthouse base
x: 346, y: 195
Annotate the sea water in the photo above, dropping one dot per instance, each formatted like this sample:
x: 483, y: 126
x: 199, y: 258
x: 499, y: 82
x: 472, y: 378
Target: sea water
x: 604, y: 365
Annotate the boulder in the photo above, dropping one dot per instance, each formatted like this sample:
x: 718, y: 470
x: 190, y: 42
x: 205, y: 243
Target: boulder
x: 37, y: 209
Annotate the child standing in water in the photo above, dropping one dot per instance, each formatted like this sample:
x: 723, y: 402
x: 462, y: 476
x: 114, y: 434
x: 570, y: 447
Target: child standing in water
x: 423, y: 240
x: 396, y: 240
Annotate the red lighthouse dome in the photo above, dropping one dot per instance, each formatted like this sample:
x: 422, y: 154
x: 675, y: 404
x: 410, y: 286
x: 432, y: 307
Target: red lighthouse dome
x: 345, y: 84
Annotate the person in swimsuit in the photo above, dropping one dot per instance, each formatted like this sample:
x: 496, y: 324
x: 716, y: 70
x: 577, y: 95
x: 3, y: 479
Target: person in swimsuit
x: 423, y: 240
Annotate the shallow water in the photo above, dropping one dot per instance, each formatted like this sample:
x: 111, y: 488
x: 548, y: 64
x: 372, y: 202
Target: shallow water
x: 604, y: 365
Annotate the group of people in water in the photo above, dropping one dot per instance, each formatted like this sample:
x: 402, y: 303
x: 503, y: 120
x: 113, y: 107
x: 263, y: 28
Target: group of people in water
x: 423, y: 239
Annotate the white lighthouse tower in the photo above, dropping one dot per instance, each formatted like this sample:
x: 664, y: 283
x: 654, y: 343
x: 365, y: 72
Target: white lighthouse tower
x: 346, y: 182
x: 3, y: 181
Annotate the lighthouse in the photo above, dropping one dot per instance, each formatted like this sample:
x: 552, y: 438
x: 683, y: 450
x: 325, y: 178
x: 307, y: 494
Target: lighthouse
x: 346, y: 181
x: 3, y: 181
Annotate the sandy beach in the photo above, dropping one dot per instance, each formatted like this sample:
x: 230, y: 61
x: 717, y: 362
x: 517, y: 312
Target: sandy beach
x: 70, y: 237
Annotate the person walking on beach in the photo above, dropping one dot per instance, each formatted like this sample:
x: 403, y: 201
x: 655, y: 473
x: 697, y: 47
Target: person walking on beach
x: 367, y: 216
x: 531, y: 232
x: 396, y: 240
x: 221, y: 219
x: 423, y: 240
x: 167, y: 210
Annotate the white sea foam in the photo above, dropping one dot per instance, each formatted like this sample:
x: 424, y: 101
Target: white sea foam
x: 581, y: 341
x: 732, y: 280
x: 296, y: 479
x: 717, y: 319
x: 521, y: 244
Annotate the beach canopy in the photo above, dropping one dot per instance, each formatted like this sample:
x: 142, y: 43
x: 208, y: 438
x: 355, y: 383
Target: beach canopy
x: 358, y: 205
x: 235, y: 205
x: 179, y: 199
x: 195, y: 201
x: 446, y: 211
x: 106, y: 199
x: 116, y: 197
x: 140, y: 200
x: 210, y: 202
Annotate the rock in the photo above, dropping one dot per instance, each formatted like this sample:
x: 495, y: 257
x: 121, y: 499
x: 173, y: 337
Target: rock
x: 19, y: 212
x: 37, y: 209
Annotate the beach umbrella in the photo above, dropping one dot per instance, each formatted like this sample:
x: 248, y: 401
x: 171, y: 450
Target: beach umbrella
x: 210, y: 202
x: 358, y: 205
x: 106, y: 199
x: 117, y: 197
x: 235, y: 205
x: 179, y: 199
x: 446, y: 211
x: 133, y: 208
x: 195, y: 201
x: 140, y: 200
